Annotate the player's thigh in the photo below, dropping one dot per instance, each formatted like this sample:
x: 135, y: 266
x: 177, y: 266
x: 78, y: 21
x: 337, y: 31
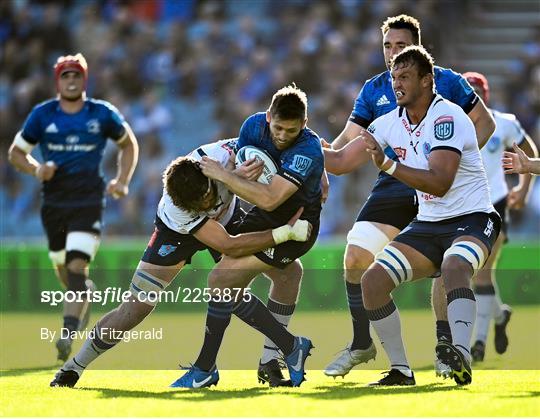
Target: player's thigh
x: 54, y: 223
x: 364, y: 241
x: 495, y: 252
x: 236, y: 272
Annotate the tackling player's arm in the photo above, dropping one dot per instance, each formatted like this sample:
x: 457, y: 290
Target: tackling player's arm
x: 348, y: 158
x: 215, y: 236
x: 267, y: 197
x: 436, y: 180
x: 128, y: 155
x: 483, y: 121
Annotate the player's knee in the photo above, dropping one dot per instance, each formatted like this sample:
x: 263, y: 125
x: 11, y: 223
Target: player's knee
x: 371, y: 281
x: 77, y: 261
x: 357, y: 258
x: 147, y: 288
x: 76, y: 281
x: 291, y: 275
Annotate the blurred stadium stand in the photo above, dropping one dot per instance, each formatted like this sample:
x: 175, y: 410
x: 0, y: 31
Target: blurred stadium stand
x: 188, y: 72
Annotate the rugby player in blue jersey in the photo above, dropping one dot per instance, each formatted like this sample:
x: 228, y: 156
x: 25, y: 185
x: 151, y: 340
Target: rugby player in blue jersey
x: 72, y: 131
x: 194, y: 214
x: 391, y: 205
x: 282, y: 132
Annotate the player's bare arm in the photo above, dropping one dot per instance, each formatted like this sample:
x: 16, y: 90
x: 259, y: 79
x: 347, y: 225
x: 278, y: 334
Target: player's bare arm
x: 215, y: 236
x: 128, y: 156
x: 267, y: 197
x: 517, y: 197
x: 349, y: 133
x: 19, y: 156
x: 483, y: 121
x: 346, y: 159
x: 437, y: 180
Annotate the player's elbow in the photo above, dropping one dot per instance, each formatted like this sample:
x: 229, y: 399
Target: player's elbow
x: 441, y: 189
x: 268, y: 203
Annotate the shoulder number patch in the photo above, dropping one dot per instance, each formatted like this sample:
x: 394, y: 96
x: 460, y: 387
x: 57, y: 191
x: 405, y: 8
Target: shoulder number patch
x: 444, y: 128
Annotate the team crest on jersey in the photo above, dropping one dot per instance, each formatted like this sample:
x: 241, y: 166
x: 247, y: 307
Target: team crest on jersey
x: 444, y: 128
x: 72, y: 139
x: 93, y: 126
x: 166, y: 249
x: 426, y: 148
x: 301, y: 164
x: 400, y: 152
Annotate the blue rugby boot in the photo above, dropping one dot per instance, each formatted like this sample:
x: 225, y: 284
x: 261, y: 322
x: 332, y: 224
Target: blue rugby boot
x: 297, y: 358
x: 197, y: 378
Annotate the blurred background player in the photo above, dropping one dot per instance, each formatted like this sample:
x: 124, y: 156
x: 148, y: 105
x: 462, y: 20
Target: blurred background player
x: 194, y: 214
x: 456, y: 226
x: 72, y: 131
x: 283, y: 133
x: 392, y: 205
x: 508, y: 132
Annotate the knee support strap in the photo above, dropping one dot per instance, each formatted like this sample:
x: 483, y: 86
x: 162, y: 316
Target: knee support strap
x: 395, y: 263
x: 365, y: 235
x: 146, y: 287
x: 469, y: 251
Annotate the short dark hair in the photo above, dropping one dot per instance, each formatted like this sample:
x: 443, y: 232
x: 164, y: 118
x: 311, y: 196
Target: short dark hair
x: 288, y: 103
x: 403, y: 22
x: 414, y: 55
x: 185, y: 183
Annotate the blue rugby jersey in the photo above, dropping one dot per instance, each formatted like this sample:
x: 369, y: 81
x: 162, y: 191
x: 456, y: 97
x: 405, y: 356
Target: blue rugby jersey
x: 75, y: 143
x: 377, y: 98
x: 301, y: 164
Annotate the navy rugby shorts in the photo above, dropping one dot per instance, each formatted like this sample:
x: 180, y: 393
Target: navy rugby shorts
x: 397, y: 212
x: 433, y: 238
x: 281, y: 255
x: 59, y: 221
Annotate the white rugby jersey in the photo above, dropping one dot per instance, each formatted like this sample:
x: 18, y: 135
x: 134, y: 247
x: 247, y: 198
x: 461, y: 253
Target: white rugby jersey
x: 184, y: 222
x: 507, y: 132
x: 445, y: 127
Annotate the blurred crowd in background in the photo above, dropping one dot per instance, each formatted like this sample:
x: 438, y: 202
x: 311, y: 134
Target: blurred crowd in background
x: 187, y: 72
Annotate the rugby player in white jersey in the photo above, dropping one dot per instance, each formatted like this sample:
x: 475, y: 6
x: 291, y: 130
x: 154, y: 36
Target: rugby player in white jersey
x: 194, y: 214
x: 456, y: 225
x: 508, y: 132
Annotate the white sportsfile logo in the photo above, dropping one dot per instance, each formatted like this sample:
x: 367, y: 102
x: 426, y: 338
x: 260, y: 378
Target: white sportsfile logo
x: 51, y: 129
x: 383, y: 100
x: 198, y: 384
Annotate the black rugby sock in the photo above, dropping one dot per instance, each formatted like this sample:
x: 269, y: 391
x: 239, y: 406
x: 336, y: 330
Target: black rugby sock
x: 360, y: 321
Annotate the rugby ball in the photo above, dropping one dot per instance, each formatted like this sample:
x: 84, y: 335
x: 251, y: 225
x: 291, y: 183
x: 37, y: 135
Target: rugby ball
x: 270, y: 167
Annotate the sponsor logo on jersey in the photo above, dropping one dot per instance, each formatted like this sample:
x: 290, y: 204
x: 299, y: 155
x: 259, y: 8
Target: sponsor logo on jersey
x: 166, y: 249
x: 401, y: 152
x: 383, y: 100
x: 301, y: 164
x: 93, y: 126
x: 51, y: 129
x: 444, y: 128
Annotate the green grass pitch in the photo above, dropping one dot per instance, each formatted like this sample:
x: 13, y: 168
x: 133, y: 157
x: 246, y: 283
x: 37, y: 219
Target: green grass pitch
x: 506, y: 385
